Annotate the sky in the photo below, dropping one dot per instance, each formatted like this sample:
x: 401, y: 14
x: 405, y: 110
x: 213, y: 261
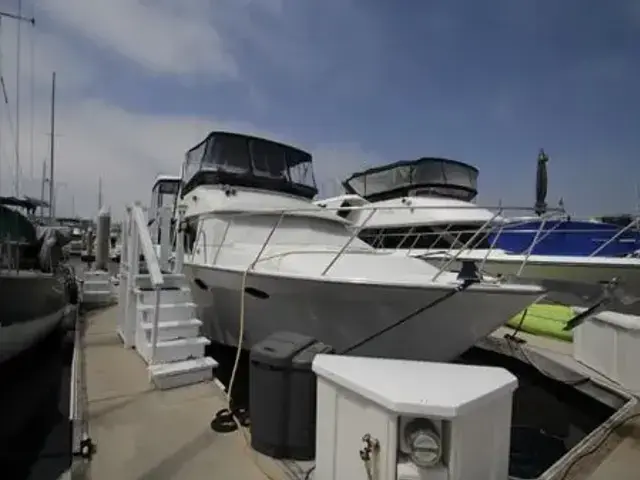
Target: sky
x: 357, y: 83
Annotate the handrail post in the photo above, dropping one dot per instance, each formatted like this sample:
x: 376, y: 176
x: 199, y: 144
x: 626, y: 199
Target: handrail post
x: 129, y: 324
x: 615, y: 237
x: 531, y: 247
x: 224, y: 238
x: 267, y: 240
x: 179, y: 259
x: 163, y: 216
x: 353, y: 236
x: 491, y: 247
x: 154, y: 328
x: 466, y: 245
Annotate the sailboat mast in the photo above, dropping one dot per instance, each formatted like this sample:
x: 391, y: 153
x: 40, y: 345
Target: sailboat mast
x: 42, y: 184
x: 99, y: 193
x: 19, y: 18
x: 52, y: 189
x: 18, y: 55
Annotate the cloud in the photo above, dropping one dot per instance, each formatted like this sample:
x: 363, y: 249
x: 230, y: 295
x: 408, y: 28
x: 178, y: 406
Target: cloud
x: 163, y: 37
x: 101, y: 136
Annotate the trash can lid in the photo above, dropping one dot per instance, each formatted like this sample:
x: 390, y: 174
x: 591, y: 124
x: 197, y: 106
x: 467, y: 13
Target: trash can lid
x: 279, y: 348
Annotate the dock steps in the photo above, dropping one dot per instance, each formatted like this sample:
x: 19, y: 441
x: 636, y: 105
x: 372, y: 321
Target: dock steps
x: 174, y: 329
x: 179, y: 374
x: 180, y: 352
x: 179, y: 358
x: 97, y: 288
x: 176, y: 350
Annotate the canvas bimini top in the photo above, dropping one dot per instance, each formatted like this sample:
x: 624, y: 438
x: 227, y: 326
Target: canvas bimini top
x: 425, y: 176
x: 246, y: 161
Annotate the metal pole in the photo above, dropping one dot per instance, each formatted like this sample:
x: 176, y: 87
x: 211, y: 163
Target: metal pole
x: 99, y: 193
x: 18, y: 173
x: 52, y: 205
x: 43, y: 181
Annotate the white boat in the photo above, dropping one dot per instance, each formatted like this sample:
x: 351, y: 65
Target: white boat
x: 425, y: 209
x: 251, y: 227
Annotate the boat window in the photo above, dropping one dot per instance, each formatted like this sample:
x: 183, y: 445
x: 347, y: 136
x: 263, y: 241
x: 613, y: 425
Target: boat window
x: 193, y: 161
x: 231, y: 154
x: 268, y: 160
x: 300, y: 168
x: 424, y: 237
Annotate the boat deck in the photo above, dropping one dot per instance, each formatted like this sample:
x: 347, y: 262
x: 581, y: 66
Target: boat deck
x: 142, y: 433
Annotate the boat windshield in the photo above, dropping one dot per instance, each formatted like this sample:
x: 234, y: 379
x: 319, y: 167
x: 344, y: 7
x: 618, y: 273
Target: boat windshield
x: 165, y: 191
x: 425, y: 176
x: 242, y: 160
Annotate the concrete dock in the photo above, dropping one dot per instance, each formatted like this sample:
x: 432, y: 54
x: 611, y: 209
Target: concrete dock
x: 142, y: 433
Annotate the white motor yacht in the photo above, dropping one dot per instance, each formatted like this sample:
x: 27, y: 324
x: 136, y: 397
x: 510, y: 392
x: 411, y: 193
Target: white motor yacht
x: 262, y: 258
x: 425, y: 209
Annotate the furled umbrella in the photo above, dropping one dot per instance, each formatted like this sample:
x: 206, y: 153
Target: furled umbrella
x: 541, y: 183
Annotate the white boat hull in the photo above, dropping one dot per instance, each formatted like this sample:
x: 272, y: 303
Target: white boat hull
x: 342, y: 313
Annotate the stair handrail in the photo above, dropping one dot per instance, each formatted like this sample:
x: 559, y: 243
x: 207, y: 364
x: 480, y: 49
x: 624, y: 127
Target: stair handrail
x: 148, y: 251
x: 153, y: 266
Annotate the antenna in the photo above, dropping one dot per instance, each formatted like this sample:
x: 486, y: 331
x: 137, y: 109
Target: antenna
x: 42, y: 184
x: 99, y: 194
x: 32, y: 21
x: 52, y: 200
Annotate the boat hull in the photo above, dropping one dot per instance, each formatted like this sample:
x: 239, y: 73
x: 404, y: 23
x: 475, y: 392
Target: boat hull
x: 33, y: 305
x: 342, y: 313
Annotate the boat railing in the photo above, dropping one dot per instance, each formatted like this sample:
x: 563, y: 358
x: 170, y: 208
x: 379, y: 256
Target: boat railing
x: 138, y: 241
x: 456, y: 248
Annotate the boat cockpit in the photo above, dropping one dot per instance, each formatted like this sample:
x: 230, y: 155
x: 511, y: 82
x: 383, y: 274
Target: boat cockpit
x: 233, y: 159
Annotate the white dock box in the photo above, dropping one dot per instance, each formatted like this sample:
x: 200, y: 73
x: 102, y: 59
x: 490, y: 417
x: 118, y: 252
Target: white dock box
x: 425, y: 420
x: 609, y: 343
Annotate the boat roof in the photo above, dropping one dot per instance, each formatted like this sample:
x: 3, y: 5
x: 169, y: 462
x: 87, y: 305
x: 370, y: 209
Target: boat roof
x: 248, y: 161
x: 166, y: 178
x: 30, y: 203
x: 221, y: 133
x: 433, y: 175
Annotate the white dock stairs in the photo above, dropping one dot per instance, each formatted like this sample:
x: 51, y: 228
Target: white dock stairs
x: 97, y: 288
x: 178, y: 358
x: 180, y: 350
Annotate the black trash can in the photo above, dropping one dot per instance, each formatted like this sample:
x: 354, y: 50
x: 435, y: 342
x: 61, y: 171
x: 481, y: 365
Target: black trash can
x: 282, y: 395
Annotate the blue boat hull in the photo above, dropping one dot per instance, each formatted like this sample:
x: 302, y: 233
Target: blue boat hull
x: 567, y: 238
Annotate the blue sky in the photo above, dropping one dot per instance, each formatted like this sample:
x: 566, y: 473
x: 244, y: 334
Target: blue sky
x: 357, y: 82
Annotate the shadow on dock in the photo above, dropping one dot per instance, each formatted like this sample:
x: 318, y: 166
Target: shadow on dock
x: 35, y: 438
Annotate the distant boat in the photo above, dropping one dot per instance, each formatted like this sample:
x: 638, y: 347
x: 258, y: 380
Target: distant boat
x: 424, y: 208
x: 567, y: 237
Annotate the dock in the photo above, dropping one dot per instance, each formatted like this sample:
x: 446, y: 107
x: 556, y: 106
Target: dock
x: 617, y: 454
x: 144, y: 433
